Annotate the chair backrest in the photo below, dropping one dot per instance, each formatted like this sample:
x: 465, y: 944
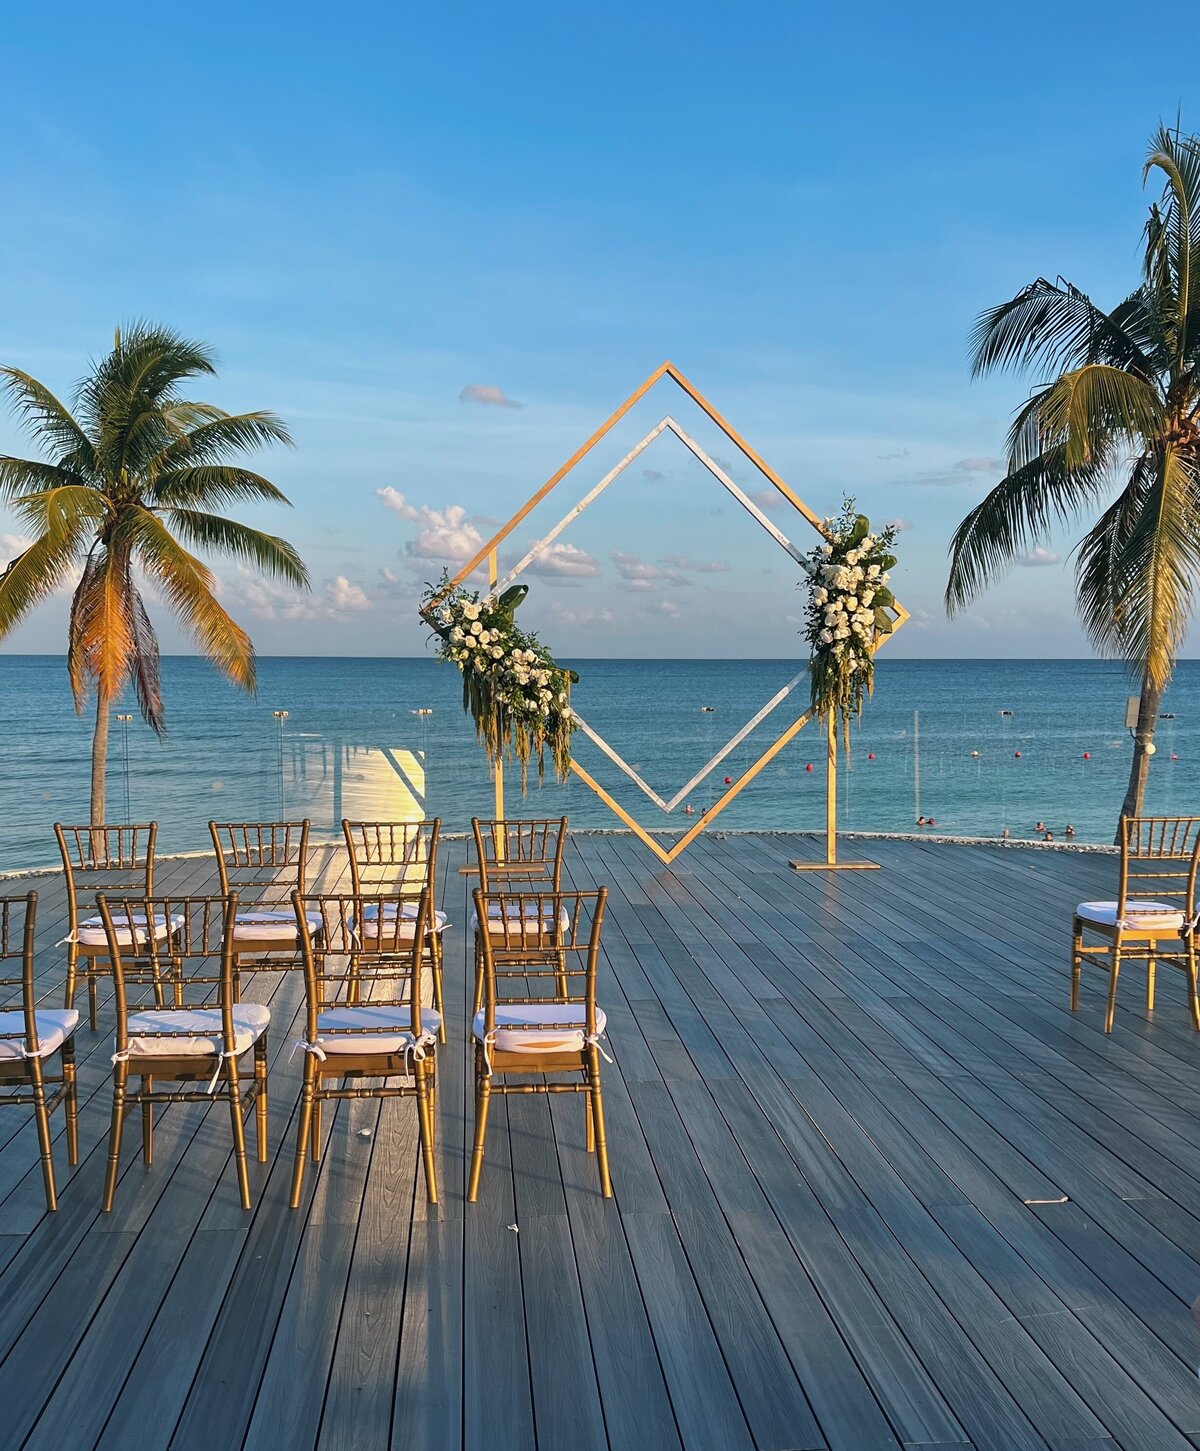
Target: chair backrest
x: 105, y: 859
x: 388, y: 856
x: 18, y: 920
x: 169, y: 940
x: 262, y: 861
x: 1159, y: 858
x: 509, y: 852
x: 530, y: 956
x: 382, y: 966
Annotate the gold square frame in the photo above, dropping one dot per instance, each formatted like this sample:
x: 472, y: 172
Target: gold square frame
x: 488, y: 554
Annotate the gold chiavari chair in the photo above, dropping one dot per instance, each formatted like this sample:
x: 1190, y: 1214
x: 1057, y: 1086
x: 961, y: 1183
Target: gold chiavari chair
x: 30, y: 1035
x: 1155, y: 908
x: 539, y: 1014
x: 400, y: 856
x: 99, y: 859
x: 515, y: 856
x: 264, y: 862
x: 199, y: 1039
x: 364, y: 1017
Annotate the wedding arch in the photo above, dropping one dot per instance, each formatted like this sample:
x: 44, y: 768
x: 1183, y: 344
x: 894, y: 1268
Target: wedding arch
x: 497, y: 586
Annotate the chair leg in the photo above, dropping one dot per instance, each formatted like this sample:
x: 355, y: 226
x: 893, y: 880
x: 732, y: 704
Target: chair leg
x: 305, y: 1128
x: 1151, y: 964
x: 260, y: 1098
x: 589, y: 1132
x: 239, y: 1131
x: 1111, y: 1011
x: 425, y: 1128
x: 147, y: 1123
x: 71, y: 1101
x: 438, y: 1002
x: 597, y: 1100
x: 1193, y: 998
x: 120, y: 1074
x: 314, y: 1147
x: 1076, y: 966
x: 92, y: 994
x: 483, y: 1095
x: 72, y: 976
x: 478, y: 998
x: 42, y: 1117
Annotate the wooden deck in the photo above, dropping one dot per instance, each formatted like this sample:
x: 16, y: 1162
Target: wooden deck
x: 875, y: 1186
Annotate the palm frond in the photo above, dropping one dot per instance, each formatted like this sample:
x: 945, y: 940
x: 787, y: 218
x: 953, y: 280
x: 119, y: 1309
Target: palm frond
x: 146, y: 666
x: 1013, y: 517
x: 212, y: 484
x: 1054, y: 325
x: 189, y: 586
x: 29, y: 475
x: 216, y: 437
x: 1089, y: 409
x: 65, y: 509
x: 47, y: 419
x: 101, y: 644
x: 267, y: 552
x: 33, y: 576
x: 1156, y: 566
x: 1099, y: 578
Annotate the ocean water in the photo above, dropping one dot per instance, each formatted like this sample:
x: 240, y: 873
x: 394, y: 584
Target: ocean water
x: 352, y: 744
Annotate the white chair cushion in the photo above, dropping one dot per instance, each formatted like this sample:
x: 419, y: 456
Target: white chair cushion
x: 54, y: 1027
x: 563, y: 1031
x: 383, y: 1029
x: 203, y: 1027
x: 91, y: 932
x: 514, y: 914
x: 408, y: 916
x: 269, y: 925
x: 1150, y: 919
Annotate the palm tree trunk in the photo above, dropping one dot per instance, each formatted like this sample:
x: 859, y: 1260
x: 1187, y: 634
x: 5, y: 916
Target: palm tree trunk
x: 1135, y: 792
x: 99, y: 758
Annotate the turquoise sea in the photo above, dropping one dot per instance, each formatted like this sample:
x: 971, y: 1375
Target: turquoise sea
x: 351, y: 744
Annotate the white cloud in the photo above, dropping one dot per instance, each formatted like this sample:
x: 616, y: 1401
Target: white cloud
x: 445, y: 534
x: 768, y: 500
x: 667, y: 608
x: 965, y: 471
x: 637, y: 574
x: 1039, y: 558
x: 901, y: 526
x: 342, y: 597
x: 269, y: 599
x: 697, y: 566
x: 564, y: 561
x: 487, y: 394
x: 12, y: 545
x: 567, y: 616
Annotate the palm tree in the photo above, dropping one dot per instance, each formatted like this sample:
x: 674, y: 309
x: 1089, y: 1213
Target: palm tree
x: 132, y: 479
x: 1114, y: 422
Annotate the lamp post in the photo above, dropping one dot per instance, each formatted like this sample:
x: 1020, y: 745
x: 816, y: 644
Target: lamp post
x: 124, y: 723
x: 280, y: 717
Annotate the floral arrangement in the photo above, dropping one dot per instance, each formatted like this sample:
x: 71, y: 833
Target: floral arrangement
x: 847, y: 612
x: 513, y: 689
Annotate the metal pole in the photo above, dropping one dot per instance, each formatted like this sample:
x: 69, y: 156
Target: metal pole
x: 916, y: 765
x: 831, y: 788
x: 125, y: 719
x: 280, y: 717
x: 498, y: 768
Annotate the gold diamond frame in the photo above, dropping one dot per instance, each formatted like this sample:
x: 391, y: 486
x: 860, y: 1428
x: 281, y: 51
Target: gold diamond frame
x: 488, y: 554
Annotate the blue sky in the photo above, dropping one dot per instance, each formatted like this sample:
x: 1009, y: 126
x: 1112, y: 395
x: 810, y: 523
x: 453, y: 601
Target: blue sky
x: 386, y: 221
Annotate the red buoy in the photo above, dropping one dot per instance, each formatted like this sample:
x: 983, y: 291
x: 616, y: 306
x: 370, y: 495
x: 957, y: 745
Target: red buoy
x: 1087, y: 755
x: 809, y: 766
x: 1174, y: 757
x: 870, y: 755
x: 1017, y: 755
x: 729, y: 780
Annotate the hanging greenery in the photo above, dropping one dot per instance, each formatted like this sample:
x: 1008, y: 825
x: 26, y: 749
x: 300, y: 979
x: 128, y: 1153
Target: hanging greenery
x: 848, y: 613
x: 513, y: 689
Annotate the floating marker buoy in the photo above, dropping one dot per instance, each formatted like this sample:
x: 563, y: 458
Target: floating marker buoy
x: 870, y: 755
x: 1174, y: 757
x: 1087, y: 755
x: 974, y: 755
x: 809, y: 766
x: 1016, y: 755
x: 706, y: 709
x: 729, y: 780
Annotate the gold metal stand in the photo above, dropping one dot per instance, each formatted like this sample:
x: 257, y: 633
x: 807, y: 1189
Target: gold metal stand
x: 831, y: 863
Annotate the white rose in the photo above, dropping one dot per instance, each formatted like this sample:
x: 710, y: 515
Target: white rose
x: 852, y: 557
x: 496, y: 652
x: 457, y: 635
x: 820, y: 596
x: 481, y: 662
x: 826, y: 637
x: 867, y: 596
x: 470, y: 610
x: 873, y: 572
x: 476, y: 628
